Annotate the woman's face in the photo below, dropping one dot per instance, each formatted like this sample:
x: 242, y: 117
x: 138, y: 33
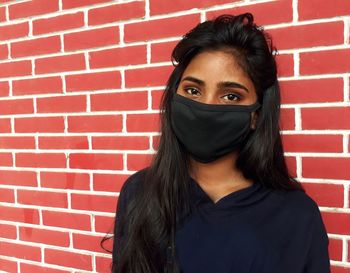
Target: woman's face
x: 216, y: 78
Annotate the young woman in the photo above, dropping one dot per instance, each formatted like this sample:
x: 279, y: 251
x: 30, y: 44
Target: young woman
x: 217, y: 196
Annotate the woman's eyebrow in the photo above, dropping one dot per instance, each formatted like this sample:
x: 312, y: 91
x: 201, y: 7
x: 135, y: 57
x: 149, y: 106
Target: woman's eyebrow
x: 220, y: 84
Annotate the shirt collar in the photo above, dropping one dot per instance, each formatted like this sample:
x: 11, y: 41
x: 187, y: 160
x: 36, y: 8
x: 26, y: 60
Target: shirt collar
x: 235, y: 200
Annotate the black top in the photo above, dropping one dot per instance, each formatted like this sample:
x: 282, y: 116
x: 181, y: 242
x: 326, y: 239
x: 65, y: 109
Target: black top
x: 253, y: 230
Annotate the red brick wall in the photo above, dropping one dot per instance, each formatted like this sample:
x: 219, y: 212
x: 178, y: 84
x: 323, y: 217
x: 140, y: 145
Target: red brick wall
x: 80, y: 83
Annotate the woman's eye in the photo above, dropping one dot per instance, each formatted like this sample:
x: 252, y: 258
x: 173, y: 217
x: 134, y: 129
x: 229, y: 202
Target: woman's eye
x: 232, y: 97
x: 195, y: 90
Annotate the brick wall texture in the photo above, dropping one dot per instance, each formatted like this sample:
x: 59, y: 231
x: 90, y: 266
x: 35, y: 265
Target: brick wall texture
x: 80, y: 85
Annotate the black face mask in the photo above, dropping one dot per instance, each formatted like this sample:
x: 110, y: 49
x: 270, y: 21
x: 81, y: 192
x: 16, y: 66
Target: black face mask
x: 209, y: 131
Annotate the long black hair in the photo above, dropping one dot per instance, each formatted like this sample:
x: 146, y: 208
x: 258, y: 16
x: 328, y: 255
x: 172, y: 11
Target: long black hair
x: 154, y: 214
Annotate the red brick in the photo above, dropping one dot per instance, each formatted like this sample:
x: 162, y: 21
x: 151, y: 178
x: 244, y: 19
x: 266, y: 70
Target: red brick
x: 69, y: 4
x: 93, y: 81
x: 14, y: 107
x: 96, y: 161
x: 91, y: 38
x: 161, y: 7
x: 18, y: 178
x: 326, y: 167
x: 310, y: 35
x: 102, y: 223
x: 335, y: 249
x: 326, y: 118
x: 13, y: 69
x: 69, y: 259
x: 88, y: 242
x: 17, y: 142
x: 7, y: 195
x: 6, y: 159
x: 5, y: 125
x: 149, y: 76
x: 155, y: 142
x: 160, y: 28
x: 17, y: 250
x: 287, y: 119
x: 4, y: 89
x: 98, y: 203
x: 326, y: 195
x: 324, y: 62
x: 67, y: 220
x: 100, y: 123
x: 156, y: 96
x: 29, y: 268
x: 325, y: 8
x: 23, y: 215
x: 313, y: 143
x: 63, y: 142
x: 58, y: 23
x: 65, y: 180
x: 312, y: 90
x: 7, y: 231
x: 39, y: 124
x: 337, y: 222
x: 142, y: 123
x: 8, y: 266
x: 285, y: 65
x: 291, y: 165
x: 31, y: 8
x: 161, y: 52
x: 44, y: 236
x: 4, y: 52
x: 108, y: 182
x: 120, y: 142
x: 61, y: 104
x: 103, y: 262
x: 118, y: 56
x: 41, y: 160
x: 38, y: 46
x: 272, y: 12
x: 42, y: 198
x: 60, y: 63
x: 115, y: 13
x: 138, y: 161
x: 37, y: 86
x: 2, y: 19
x: 14, y: 31
x: 120, y: 101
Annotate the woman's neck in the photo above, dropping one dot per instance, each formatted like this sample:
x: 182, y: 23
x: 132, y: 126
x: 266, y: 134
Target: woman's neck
x: 220, y: 177
x: 221, y: 172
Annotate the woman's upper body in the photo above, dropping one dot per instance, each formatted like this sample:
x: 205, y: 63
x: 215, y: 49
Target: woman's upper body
x: 252, y: 230
x: 220, y: 153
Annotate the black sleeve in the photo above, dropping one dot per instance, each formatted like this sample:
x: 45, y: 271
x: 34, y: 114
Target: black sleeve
x: 318, y: 257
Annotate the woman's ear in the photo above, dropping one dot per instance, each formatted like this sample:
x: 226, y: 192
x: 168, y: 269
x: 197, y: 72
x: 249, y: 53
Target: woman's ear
x: 254, y: 118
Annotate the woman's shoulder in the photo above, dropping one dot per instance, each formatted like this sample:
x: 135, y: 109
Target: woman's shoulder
x: 306, y: 215
x: 131, y: 184
x: 299, y: 202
